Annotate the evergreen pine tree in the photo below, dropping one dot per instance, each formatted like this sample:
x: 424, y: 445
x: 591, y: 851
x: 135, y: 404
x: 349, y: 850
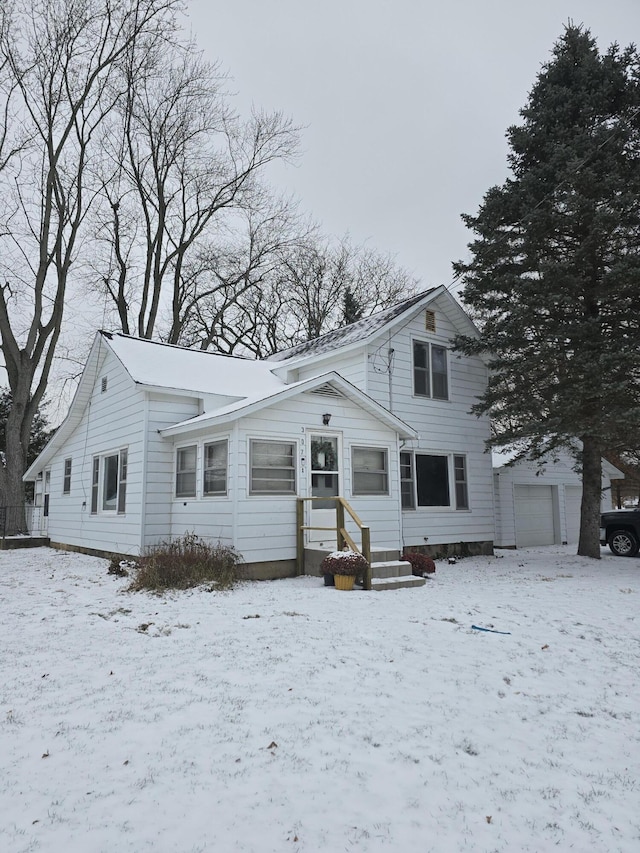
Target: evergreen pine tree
x: 352, y: 309
x: 554, y: 275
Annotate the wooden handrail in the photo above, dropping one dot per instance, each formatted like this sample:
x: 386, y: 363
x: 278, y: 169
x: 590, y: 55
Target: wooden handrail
x: 342, y: 536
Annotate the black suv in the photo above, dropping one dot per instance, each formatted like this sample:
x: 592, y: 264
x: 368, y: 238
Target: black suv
x: 620, y: 530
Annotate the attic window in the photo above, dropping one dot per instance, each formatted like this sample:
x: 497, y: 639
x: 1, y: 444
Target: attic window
x: 430, y: 321
x: 103, y: 385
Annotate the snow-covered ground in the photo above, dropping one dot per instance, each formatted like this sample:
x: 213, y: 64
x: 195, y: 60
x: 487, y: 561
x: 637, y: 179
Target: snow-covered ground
x: 287, y: 716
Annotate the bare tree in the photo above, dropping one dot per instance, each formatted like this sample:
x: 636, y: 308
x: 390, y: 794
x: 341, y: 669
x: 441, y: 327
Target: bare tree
x: 184, y: 169
x: 61, y: 75
x: 302, y: 296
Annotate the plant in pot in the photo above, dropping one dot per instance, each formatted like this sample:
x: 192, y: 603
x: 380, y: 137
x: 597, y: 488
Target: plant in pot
x: 345, y: 567
x: 421, y: 564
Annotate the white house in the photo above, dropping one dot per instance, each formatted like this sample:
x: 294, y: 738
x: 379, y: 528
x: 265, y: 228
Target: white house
x: 160, y: 440
x: 539, y: 504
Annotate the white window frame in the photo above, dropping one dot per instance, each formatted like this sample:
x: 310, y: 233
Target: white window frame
x: 253, y: 492
x: 99, y: 483
x: 383, y: 471
x: 181, y: 495
x: 452, y: 483
x: 210, y: 493
x: 428, y: 370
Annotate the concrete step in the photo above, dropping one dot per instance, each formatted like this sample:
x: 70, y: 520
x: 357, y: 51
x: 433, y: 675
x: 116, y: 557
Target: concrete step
x: 406, y: 582
x: 390, y: 569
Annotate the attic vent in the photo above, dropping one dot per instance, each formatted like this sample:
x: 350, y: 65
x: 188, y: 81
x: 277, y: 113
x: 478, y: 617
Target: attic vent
x: 430, y: 321
x: 103, y: 385
x: 327, y: 391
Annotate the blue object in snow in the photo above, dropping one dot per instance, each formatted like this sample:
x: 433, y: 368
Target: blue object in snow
x: 489, y: 630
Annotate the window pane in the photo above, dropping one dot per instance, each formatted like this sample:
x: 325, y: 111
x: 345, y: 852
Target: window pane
x: 215, y: 468
x: 439, y: 372
x: 369, y: 483
x: 110, y: 483
x: 369, y: 459
x: 186, y: 472
x: 324, y: 453
x: 186, y: 484
x: 421, y: 383
x: 66, y: 486
x: 432, y: 474
x: 420, y: 354
x: 369, y: 471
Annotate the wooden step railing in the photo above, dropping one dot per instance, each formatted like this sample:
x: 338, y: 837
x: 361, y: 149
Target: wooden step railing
x: 342, y: 535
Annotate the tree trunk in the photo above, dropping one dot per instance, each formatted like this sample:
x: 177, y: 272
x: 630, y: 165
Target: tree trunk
x: 589, y: 541
x: 12, y: 493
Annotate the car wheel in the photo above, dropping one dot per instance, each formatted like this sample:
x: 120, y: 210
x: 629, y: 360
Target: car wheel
x: 623, y: 543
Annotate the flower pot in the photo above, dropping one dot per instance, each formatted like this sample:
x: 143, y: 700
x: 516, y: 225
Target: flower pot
x: 345, y: 581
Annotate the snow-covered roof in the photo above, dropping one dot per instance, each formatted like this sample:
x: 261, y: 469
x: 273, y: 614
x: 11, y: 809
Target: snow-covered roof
x: 165, y: 366
x: 354, y: 333
x: 255, y: 402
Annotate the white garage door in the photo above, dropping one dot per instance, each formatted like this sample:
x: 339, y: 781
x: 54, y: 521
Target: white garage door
x: 572, y: 498
x: 534, y: 515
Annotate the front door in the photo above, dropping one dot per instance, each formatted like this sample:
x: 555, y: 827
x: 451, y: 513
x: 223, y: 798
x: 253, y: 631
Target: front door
x: 325, y: 482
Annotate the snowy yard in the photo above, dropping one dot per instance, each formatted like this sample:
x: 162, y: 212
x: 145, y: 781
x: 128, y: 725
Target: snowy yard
x: 286, y: 716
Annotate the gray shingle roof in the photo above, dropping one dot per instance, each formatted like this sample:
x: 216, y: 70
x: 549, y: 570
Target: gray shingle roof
x: 357, y: 331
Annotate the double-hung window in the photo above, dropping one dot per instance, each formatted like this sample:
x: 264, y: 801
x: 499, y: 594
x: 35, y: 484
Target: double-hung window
x: 430, y: 376
x: 433, y: 480
x: 273, y: 468
x: 186, y: 462
x: 66, y: 480
x: 215, y: 468
x: 407, y: 484
x: 109, y: 482
x: 370, y: 470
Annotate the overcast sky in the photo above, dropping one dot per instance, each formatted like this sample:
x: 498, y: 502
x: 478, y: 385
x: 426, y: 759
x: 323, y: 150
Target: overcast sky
x: 404, y: 103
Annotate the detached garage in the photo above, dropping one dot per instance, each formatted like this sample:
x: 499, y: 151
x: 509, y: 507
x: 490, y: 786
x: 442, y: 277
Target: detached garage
x: 540, y: 505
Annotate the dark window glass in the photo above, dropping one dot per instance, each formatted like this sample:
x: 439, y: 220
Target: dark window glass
x: 432, y: 476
